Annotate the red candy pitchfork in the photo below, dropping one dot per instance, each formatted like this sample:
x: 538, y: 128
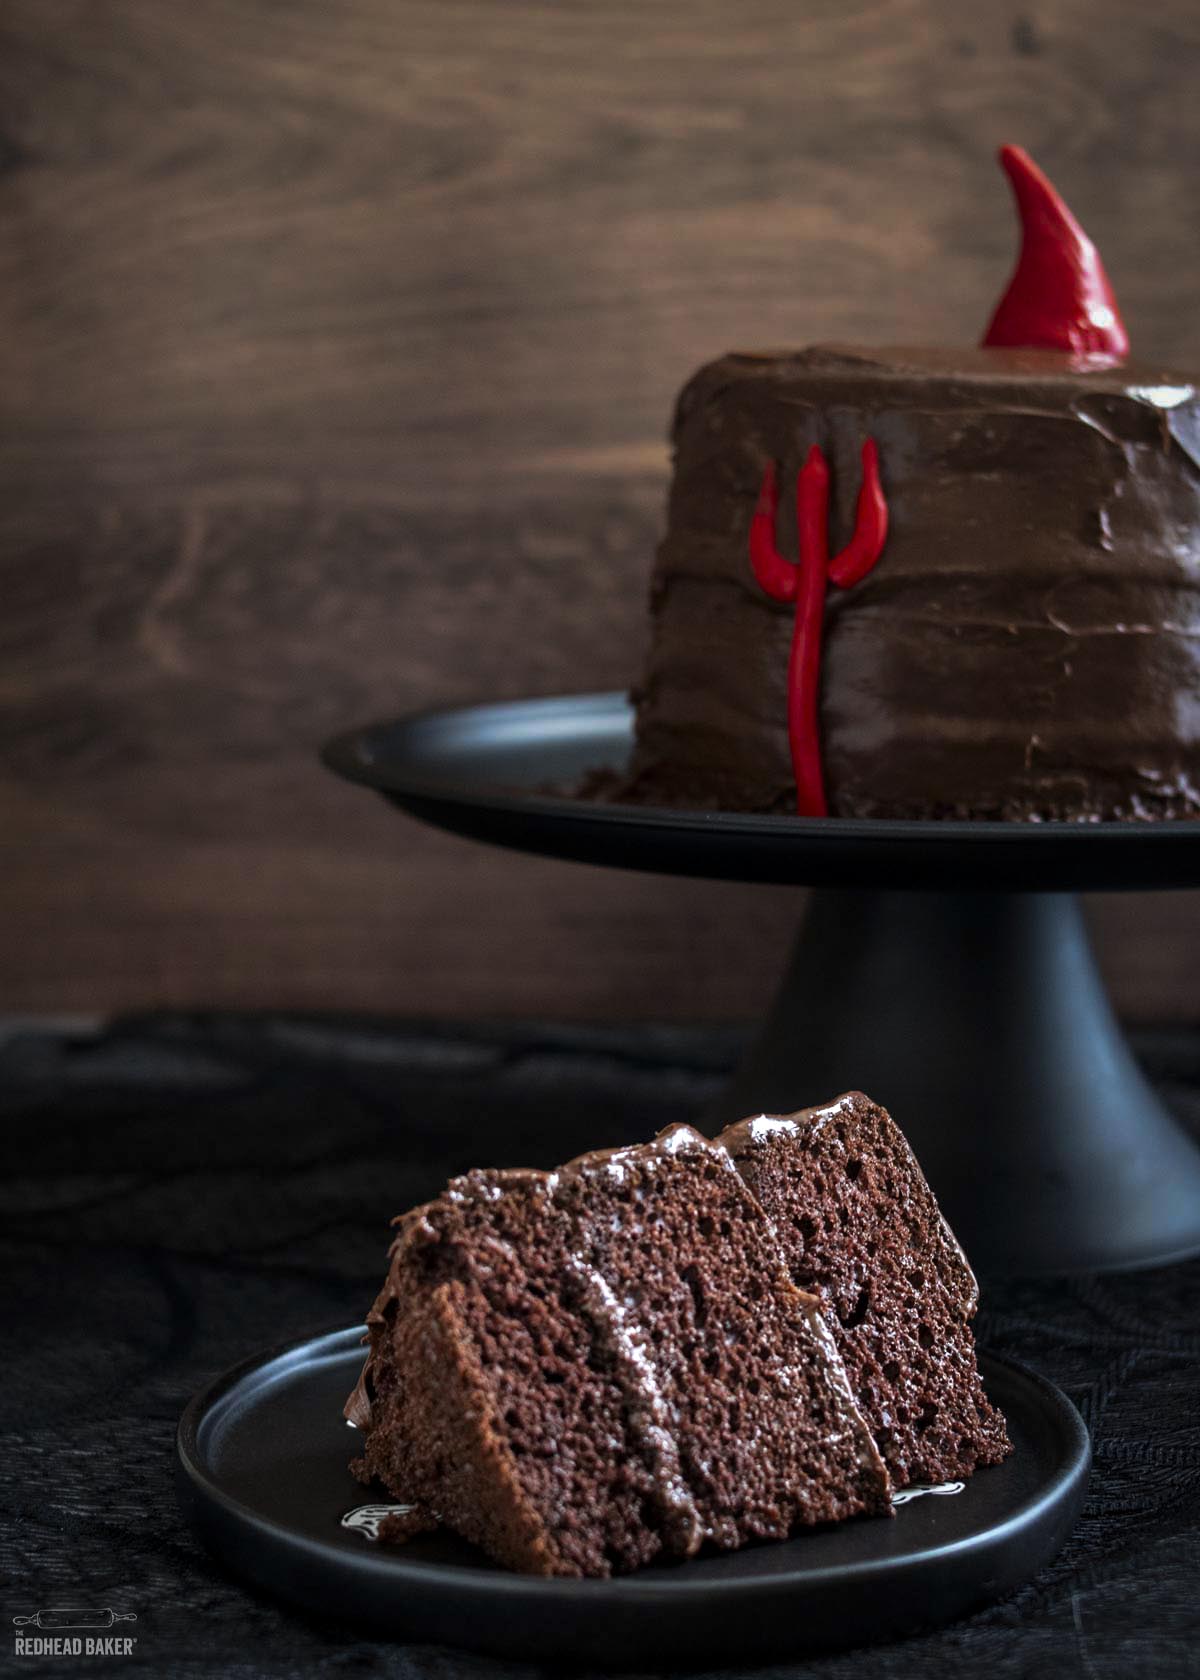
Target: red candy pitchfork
x: 804, y: 583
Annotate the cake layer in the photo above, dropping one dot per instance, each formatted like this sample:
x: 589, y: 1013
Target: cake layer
x: 744, y: 1368
x: 860, y: 1229
x: 480, y: 1402
x: 1028, y: 644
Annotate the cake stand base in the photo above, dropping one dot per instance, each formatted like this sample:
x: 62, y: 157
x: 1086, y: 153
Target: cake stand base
x: 980, y: 1021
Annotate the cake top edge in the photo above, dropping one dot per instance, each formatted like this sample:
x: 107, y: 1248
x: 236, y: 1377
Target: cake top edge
x: 674, y: 1140
x: 999, y: 367
x: 759, y: 1126
x: 481, y: 1185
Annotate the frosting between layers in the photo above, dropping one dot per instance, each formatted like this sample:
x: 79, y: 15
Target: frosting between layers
x: 647, y: 1413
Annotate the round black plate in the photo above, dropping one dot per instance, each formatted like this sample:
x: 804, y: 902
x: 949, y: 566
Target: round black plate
x: 262, y: 1458
x: 484, y: 771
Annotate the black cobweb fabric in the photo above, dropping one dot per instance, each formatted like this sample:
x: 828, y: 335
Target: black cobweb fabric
x: 181, y: 1192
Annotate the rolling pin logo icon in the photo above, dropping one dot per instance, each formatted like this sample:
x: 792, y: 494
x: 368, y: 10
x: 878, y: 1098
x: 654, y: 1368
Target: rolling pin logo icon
x: 75, y: 1621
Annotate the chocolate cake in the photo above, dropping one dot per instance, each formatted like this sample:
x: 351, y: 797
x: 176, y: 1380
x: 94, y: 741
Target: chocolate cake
x: 584, y: 1370
x: 983, y: 598
x: 859, y: 1227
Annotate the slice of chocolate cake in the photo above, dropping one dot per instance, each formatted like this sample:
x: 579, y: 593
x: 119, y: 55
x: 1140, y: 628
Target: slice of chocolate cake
x: 859, y: 1227
x: 583, y: 1370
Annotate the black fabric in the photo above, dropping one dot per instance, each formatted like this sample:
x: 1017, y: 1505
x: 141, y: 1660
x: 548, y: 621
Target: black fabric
x: 179, y: 1193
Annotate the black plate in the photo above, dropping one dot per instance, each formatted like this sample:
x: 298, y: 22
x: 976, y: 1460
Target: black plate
x: 262, y: 1458
x: 483, y: 771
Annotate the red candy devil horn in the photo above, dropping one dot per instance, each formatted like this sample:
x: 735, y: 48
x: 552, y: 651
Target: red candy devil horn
x: 1059, y: 297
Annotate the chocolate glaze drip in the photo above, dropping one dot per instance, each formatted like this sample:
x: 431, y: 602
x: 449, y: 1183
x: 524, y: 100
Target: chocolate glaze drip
x: 1028, y: 645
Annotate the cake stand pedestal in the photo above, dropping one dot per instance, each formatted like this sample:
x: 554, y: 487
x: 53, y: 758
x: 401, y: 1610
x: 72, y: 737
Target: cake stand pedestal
x: 980, y: 1021
x: 942, y: 967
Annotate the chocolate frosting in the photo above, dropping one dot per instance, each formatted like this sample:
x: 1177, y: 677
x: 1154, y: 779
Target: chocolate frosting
x: 1028, y: 645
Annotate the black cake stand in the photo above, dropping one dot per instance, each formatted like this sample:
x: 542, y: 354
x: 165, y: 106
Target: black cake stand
x: 943, y: 967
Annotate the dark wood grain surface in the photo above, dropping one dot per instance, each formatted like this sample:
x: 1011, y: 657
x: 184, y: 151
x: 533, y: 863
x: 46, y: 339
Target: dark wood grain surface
x: 337, y: 345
